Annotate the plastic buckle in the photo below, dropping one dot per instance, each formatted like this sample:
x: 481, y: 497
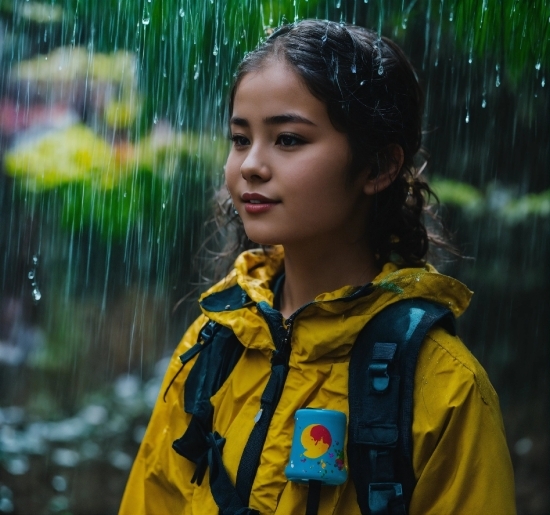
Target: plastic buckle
x: 382, y: 356
x: 380, y: 378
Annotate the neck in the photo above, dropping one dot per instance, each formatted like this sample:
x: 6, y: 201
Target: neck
x: 312, y: 270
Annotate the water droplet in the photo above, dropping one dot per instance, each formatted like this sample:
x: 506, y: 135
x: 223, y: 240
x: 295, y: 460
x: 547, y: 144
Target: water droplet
x: 36, y: 295
x: 543, y: 82
x: 484, y: 103
x: 467, y: 119
x: 196, y: 76
x: 181, y: 12
x: 537, y: 66
x: 380, y: 70
x: 215, y: 51
x: 146, y: 20
x: 155, y: 119
x: 31, y: 274
x: 497, y: 81
x: 353, y: 68
x: 470, y: 60
x: 451, y: 16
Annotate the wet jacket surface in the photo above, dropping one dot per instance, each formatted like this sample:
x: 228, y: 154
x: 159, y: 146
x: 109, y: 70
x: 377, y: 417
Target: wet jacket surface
x: 460, y: 458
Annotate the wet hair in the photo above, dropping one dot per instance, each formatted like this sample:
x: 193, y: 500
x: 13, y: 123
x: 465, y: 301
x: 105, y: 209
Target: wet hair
x: 372, y: 95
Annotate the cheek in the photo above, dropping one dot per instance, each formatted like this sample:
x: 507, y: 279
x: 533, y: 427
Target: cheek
x: 232, y: 173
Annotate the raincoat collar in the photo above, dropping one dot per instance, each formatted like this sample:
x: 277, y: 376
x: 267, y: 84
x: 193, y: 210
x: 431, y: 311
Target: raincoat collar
x: 329, y: 324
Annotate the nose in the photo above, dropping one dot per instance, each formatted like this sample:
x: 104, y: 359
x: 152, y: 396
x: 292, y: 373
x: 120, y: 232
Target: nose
x: 254, y: 167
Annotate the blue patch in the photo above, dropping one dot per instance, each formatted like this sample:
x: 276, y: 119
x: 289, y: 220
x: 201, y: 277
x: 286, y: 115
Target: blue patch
x: 415, y: 316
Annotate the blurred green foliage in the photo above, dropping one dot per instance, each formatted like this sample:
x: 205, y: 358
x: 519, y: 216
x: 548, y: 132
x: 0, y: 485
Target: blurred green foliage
x: 510, y: 208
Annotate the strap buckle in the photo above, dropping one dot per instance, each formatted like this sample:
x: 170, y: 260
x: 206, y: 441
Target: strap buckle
x: 382, y: 356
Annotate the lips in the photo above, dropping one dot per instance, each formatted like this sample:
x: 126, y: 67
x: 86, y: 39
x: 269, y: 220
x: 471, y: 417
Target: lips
x: 254, y: 203
x: 256, y: 198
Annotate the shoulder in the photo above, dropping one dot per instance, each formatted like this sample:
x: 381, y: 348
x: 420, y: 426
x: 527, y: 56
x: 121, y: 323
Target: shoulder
x: 460, y: 456
x: 443, y: 356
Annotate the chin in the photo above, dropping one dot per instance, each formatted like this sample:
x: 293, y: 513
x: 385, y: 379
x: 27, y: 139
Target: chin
x: 262, y: 238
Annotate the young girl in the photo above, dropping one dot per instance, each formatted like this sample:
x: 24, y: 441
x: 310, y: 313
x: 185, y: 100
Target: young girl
x: 325, y: 123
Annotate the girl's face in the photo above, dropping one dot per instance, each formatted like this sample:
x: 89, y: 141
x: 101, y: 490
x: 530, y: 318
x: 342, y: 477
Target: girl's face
x: 287, y: 171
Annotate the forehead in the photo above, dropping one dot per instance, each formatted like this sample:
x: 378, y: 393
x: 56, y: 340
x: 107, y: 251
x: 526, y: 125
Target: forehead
x: 275, y: 88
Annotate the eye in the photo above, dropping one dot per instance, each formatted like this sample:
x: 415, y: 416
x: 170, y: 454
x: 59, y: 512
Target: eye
x: 289, y: 140
x: 239, y: 140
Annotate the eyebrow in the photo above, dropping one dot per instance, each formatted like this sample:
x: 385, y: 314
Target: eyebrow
x: 273, y: 120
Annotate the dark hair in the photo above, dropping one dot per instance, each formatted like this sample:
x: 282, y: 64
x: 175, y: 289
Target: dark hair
x: 373, y: 96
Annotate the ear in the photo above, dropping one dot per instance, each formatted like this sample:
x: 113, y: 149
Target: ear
x: 392, y: 158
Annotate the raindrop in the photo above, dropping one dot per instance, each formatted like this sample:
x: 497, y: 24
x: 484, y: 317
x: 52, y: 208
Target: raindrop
x: 380, y: 70
x: 338, y: 4
x: 146, y: 20
x: 31, y: 274
x: 36, y: 295
x: 537, y: 66
x: 155, y: 119
x: 215, y: 51
x: 484, y: 103
x: 353, y: 68
x: 467, y: 119
x: 196, y: 76
x: 35, y: 260
x: 181, y: 12
x: 497, y: 81
x: 543, y: 82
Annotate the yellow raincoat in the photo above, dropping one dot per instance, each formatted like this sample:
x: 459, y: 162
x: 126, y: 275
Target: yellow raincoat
x: 460, y: 457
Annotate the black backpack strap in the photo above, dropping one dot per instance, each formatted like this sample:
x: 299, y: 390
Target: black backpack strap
x: 219, y: 350
x: 252, y: 452
x: 381, y: 384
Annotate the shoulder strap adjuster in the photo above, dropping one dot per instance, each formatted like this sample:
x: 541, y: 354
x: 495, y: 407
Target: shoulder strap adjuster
x: 382, y: 356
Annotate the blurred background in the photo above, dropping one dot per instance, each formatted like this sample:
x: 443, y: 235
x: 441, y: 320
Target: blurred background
x: 112, y: 144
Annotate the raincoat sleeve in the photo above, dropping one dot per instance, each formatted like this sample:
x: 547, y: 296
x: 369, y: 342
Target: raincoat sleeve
x: 460, y: 455
x: 159, y: 481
